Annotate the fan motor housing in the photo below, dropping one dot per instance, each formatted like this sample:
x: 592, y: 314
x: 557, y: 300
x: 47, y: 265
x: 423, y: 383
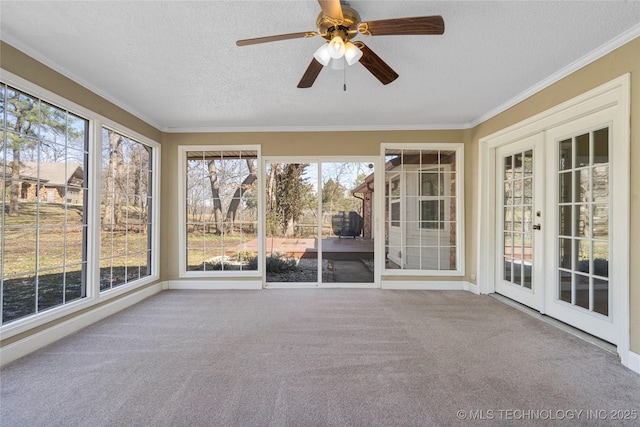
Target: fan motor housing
x: 348, y: 27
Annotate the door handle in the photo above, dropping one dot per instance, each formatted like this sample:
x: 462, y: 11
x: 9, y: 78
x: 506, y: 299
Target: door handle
x: 536, y: 227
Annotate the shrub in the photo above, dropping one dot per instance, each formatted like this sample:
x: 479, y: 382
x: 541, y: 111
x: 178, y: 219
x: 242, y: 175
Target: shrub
x: 280, y: 265
x: 245, y: 255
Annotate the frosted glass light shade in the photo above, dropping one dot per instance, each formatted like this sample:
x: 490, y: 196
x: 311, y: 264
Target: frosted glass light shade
x: 322, y: 54
x: 352, y: 54
x: 336, y: 47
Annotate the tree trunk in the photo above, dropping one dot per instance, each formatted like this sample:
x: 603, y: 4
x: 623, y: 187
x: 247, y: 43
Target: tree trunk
x: 112, y: 209
x: 235, y: 201
x: 14, y: 190
x: 215, y: 194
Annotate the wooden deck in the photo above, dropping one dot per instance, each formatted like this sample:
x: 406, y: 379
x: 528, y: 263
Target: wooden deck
x: 332, y: 247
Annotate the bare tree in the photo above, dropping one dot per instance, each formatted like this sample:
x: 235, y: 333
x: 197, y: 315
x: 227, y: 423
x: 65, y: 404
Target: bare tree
x: 115, y: 174
x: 230, y: 218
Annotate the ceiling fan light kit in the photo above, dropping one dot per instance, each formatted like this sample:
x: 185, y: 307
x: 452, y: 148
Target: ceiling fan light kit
x: 338, y: 24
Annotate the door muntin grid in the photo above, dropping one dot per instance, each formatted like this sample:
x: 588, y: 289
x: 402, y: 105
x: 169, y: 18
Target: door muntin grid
x: 584, y: 221
x: 517, y: 224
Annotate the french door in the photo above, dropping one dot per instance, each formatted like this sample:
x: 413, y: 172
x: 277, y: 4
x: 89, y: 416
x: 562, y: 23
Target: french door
x: 554, y: 225
x: 519, y: 213
x: 319, y: 223
x: 580, y: 268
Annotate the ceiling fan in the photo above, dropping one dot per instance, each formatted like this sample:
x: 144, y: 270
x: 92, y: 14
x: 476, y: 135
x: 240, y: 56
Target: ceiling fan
x: 338, y: 24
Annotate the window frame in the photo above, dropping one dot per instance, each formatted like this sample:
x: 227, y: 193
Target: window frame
x: 154, y: 165
x: 93, y: 295
x: 458, y: 148
x: 183, y: 151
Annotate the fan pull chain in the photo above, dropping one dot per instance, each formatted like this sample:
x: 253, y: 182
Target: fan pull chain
x: 344, y: 78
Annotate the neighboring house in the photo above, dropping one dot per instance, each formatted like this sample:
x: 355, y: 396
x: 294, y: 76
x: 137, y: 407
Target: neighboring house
x: 52, y: 183
x: 366, y: 189
x: 419, y: 210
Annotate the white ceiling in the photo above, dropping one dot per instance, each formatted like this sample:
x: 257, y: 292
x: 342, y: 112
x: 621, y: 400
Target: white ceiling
x: 175, y: 64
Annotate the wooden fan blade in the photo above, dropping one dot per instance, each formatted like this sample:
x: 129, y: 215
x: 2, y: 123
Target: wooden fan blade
x: 279, y: 37
x: 331, y: 8
x: 376, y: 65
x: 311, y: 74
x: 419, y: 25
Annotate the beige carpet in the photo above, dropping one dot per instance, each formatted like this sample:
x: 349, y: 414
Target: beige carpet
x: 318, y: 358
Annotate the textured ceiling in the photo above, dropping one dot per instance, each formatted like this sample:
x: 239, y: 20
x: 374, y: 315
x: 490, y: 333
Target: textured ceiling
x: 175, y: 64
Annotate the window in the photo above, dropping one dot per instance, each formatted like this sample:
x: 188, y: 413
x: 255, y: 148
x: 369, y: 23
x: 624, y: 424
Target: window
x: 57, y: 252
x: 220, y: 210
x: 423, y: 226
x: 44, y: 234
x: 125, y: 207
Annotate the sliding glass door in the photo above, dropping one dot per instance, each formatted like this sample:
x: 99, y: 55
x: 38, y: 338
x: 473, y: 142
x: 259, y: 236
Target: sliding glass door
x: 319, y: 223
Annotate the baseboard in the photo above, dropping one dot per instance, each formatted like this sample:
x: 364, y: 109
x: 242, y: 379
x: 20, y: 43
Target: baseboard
x: 215, y: 284
x: 423, y: 285
x: 21, y: 348
x: 633, y: 362
x: 471, y: 287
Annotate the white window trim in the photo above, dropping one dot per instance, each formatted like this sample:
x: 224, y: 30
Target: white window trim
x: 182, y: 236
x: 460, y: 236
x: 93, y: 294
x: 615, y: 93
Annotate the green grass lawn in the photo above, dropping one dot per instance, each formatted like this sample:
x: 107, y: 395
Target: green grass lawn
x: 48, y: 239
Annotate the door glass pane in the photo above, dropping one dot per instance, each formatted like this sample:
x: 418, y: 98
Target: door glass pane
x: 582, y: 291
x: 347, y: 222
x: 508, y: 219
x: 517, y: 166
x: 528, y: 163
x: 508, y: 244
x: 564, y: 180
x: 508, y: 168
x: 601, y: 258
x: 600, y: 184
x: 582, y: 150
x: 601, y: 296
x: 582, y: 186
x: 292, y: 222
x: 565, y: 155
x: 564, y: 279
x: 527, y: 191
x: 582, y: 221
x: 583, y: 256
x: 565, y: 220
x: 601, y: 146
x: 517, y: 192
x: 565, y: 254
x: 527, y: 247
x: 600, y: 221
x: 507, y: 270
x: 527, y: 278
x: 517, y: 219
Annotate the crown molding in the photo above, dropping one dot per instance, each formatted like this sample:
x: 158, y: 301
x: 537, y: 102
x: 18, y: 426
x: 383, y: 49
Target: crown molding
x: 45, y: 60
x: 346, y: 128
x: 622, y: 39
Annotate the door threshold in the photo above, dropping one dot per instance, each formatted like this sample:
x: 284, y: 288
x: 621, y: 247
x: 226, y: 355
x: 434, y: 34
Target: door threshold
x: 605, y: 345
x: 292, y: 285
